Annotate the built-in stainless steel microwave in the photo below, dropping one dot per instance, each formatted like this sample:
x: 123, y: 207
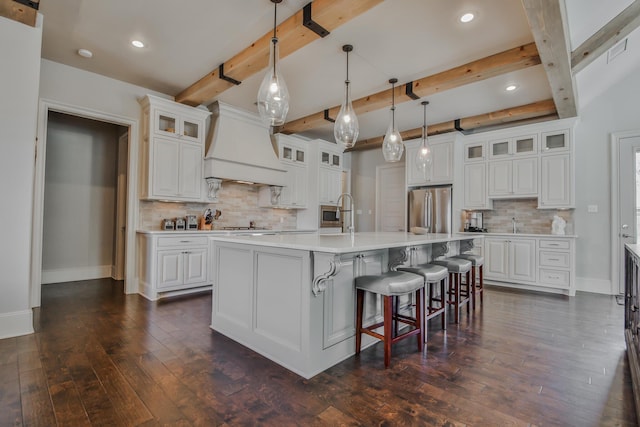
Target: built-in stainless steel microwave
x: 329, y: 216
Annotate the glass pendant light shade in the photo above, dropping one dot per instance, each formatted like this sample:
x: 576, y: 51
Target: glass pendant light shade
x: 423, y: 159
x: 346, y: 128
x: 273, y: 96
x: 392, y: 145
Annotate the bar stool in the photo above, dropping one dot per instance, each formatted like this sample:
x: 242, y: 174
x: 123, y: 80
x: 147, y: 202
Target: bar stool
x: 389, y: 285
x: 433, y: 275
x: 477, y: 265
x: 456, y: 268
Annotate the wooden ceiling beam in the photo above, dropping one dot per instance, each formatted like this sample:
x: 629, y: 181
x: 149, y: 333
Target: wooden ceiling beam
x: 292, y: 35
x: 22, y: 12
x: 542, y: 110
x: 606, y: 37
x: 504, y: 62
x: 548, y: 26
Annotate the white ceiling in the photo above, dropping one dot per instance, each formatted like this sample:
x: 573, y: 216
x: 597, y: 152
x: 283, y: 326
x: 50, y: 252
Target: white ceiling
x: 407, y: 39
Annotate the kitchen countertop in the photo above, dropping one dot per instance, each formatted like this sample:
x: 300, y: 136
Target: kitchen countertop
x: 571, y: 236
x: 342, y: 243
x: 223, y: 232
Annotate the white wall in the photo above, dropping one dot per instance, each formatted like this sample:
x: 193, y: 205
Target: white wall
x: 79, y: 88
x: 79, y: 198
x: 20, y: 64
x: 614, y: 110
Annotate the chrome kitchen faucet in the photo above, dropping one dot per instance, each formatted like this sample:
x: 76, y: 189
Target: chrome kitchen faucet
x: 352, y: 225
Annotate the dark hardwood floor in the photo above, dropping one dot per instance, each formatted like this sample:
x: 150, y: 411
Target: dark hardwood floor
x: 101, y: 358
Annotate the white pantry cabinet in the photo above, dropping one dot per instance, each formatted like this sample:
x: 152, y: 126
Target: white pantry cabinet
x: 172, y: 265
x: 172, y: 150
x: 441, y: 170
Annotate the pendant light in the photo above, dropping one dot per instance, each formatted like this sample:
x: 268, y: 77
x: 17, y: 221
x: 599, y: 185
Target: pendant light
x: 392, y: 146
x: 273, y: 96
x: 423, y: 159
x: 345, y: 129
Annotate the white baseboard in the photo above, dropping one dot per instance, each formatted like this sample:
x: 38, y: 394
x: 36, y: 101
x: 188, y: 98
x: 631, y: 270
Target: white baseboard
x: 16, y: 323
x: 75, y: 274
x: 595, y: 286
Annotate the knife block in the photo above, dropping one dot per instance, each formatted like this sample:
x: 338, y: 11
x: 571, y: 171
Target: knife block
x: 204, y: 226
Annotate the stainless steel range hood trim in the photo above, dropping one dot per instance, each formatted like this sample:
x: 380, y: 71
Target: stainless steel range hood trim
x: 240, y: 148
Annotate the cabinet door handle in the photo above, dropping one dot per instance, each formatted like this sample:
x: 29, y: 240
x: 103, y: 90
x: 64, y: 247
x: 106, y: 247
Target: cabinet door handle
x: 554, y: 259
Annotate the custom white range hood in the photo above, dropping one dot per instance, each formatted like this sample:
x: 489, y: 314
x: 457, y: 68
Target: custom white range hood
x: 239, y: 148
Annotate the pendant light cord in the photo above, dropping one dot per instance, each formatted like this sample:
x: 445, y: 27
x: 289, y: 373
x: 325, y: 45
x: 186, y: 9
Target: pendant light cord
x: 393, y: 105
x: 274, y: 39
x: 424, y: 125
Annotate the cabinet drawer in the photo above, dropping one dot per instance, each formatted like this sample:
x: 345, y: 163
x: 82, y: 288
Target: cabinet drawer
x: 554, y: 244
x: 183, y: 241
x: 554, y: 277
x: 554, y: 259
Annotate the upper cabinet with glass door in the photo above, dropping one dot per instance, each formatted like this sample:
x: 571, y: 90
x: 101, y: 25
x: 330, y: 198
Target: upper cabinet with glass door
x: 555, y: 141
x: 517, y: 146
x: 475, y: 152
x: 174, y: 124
x: 292, y: 149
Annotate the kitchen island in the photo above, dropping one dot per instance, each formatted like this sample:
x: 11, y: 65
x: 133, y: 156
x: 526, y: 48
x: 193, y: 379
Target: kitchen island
x: 291, y: 297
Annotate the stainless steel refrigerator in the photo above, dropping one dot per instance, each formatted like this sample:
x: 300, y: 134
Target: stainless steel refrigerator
x: 430, y: 208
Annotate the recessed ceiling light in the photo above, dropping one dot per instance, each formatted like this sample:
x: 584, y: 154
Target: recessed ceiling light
x: 137, y: 43
x: 511, y: 88
x: 85, y: 53
x: 467, y: 17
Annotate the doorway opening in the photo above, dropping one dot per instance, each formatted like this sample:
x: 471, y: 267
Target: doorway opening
x: 84, y: 199
x: 122, y: 253
x: 626, y: 203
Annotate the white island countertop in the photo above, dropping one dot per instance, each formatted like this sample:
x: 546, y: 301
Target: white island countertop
x: 343, y: 243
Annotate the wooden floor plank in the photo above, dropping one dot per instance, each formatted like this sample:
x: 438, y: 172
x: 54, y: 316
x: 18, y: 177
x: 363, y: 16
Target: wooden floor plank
x: 37, y: 408
x: 103, y: 358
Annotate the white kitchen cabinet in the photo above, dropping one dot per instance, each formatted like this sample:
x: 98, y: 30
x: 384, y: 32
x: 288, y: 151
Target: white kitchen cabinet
x: 556, y: 182
x: 173, y: 265
x: 513, y: 146
x: 294, y: 160
x: 181, y: 268
x: 475, y: 186
x: 538, y: 263
x: 522, y: 259
x: 294, y: 194
x: 329, y: 185
x: 512, y: 259
x: 555, y: 141
x: 173, y: 150
x: 475, y: 152
x: 513, y: 178
x: 172, y: 121
x: 441, y: 170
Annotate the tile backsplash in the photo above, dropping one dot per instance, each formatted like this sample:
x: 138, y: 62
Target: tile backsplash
x: 238, y: 203
x: 529, y: 219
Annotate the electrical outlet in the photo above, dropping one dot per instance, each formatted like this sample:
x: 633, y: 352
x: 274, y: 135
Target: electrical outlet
x: 592, y: 208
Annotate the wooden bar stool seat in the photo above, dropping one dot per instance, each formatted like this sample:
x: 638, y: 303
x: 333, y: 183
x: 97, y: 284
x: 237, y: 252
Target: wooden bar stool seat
x: 477, y: 286
x: 390, y: 285
x: 459, y: 294
x: 435, y: 305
